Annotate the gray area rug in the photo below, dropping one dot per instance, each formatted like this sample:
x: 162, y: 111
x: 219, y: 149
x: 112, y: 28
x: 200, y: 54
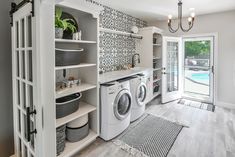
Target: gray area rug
x: 150, y: 136
x: 200, y: 105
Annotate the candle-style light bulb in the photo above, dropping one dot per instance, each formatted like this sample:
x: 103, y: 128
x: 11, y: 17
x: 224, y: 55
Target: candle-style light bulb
x: 169, y: 17
x: 190, y: 19
x: 193, y: 14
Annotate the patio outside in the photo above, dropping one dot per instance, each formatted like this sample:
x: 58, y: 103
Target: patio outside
x: 197, y: 68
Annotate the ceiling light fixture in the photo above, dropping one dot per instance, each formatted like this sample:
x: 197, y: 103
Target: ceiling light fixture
x: 190, y: 19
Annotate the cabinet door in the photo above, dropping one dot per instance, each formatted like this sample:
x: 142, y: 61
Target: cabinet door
x: 172, y: 69
x: 27, y: 111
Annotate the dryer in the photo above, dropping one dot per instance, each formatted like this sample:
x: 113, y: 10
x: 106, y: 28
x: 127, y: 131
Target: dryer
x: 116, y: 101
x: 139, y: 93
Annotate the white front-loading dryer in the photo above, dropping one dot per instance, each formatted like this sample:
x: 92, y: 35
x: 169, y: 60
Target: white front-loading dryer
x: 139, y: 93
x: 116, y: 101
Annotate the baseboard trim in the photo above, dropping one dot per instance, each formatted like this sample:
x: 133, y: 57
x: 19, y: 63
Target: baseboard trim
x: 225, y: 105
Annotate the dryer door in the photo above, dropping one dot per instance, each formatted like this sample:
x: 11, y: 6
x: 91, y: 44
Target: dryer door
x: 141, y: 94
x: 122, y: 104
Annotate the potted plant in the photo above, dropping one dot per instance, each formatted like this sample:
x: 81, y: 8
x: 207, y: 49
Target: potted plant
x: 63, y: 24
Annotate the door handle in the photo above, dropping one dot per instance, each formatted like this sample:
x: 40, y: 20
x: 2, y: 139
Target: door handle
x: 212, y: 69
x: 29, y: 131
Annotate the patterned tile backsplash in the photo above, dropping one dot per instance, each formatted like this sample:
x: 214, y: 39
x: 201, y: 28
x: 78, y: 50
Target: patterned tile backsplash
x: 116, y: 50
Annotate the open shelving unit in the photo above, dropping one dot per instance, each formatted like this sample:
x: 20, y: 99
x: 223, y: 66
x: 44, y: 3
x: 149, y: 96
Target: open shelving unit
x: 150, y: 50
x: 86, y: 71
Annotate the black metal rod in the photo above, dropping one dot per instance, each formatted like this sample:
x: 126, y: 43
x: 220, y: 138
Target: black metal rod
x: 29, y: 132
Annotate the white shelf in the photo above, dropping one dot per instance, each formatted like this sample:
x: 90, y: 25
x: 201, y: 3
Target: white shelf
x: 120, y: 32
x: 84, y: 108
x: 154, y: 58
x: 82, y: 65
x: 72, y: 148
x: 74, y: 41
x: 156, y: 94
x: 76, y: 89
x: 70, y: 50
x: 157, y: 44
x: 156, y: 69
x: 156, y: 80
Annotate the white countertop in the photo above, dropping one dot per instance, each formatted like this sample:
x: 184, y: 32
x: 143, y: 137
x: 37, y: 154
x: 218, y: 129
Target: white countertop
x: 115, y: 75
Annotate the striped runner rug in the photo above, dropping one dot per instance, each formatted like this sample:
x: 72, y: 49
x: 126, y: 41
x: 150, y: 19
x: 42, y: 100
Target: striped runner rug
x: 150, y: 136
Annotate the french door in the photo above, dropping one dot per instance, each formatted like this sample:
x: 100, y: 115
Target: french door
x: 171, y: 69
x: 27, y: 111
x: 198, y: 68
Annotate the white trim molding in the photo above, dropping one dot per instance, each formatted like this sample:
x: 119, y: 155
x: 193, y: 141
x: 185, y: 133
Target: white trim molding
x: 225, y: 105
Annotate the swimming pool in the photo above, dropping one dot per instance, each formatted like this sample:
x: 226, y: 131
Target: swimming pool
x: 200, y: 77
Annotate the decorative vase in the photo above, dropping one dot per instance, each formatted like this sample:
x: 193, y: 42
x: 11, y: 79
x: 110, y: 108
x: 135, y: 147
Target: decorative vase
x: 59, y: 33
x: 77, y: 36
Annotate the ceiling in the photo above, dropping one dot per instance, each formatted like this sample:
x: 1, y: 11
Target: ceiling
x: 151, y: 10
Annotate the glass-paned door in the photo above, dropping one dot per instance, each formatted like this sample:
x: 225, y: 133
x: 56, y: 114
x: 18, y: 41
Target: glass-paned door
x: 172, y: 69
x: 198, y: 68
x: 26, y: 109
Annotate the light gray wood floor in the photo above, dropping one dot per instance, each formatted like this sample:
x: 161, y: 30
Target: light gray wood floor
x: 208, y: 135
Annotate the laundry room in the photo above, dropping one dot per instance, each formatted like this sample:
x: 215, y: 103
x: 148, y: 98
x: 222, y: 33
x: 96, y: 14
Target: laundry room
x: 126, y: 78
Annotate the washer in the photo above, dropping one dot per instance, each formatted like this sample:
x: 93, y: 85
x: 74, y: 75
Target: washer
x: 116, y: 101
x: 139, y: 93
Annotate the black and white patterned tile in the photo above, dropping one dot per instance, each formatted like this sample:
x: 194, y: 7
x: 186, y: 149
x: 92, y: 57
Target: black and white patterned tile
x: 116, y: 50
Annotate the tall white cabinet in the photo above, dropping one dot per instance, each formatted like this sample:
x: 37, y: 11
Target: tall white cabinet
x: 35, y: 76
x: 150, y: 50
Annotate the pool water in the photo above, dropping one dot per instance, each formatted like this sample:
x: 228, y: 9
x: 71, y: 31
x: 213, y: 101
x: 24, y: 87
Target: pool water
x: 200, y: 77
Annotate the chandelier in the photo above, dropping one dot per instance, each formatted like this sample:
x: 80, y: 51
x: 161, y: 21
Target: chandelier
x: 190, y: 20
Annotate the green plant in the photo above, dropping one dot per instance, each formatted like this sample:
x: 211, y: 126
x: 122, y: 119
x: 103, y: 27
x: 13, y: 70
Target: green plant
x: 65, y: 24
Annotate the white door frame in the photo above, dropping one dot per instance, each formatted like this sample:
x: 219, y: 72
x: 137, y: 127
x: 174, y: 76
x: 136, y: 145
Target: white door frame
x: 215, y: 60
x: 166, y: 96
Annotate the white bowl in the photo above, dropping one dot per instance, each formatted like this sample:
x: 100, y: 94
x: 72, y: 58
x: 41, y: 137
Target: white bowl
x: 78, y: 122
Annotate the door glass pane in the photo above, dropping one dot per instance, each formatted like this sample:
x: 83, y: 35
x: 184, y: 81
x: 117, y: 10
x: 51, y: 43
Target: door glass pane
x: 172, y: 69
x: 30, y: 97
x: 17, y: 64
x: 29, y: 31
x: 23, y: 64
x: 22, y: 33
x: 124, y: 104
x: 17, y: 34
x: 25, y: 126
x: 197, y: 67
x: 25, y: 151
x: 141, y: 94
x: 18, y: 92
x: 19, y: 121
x: 30, y: 66
x: 32, y: 135
x: 19, y: 148
x: 24, y: 95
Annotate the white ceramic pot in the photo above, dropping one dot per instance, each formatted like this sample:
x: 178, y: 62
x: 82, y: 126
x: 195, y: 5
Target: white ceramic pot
x: 59, y: 33
x: 78, y: 122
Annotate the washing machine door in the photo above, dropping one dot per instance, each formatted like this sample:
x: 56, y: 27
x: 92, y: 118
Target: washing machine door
x: 122, y: 104
x: 141, y: 94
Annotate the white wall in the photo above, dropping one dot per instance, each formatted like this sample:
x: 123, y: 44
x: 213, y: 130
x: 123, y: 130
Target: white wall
x: 224, y: 24
x: 6, y: 110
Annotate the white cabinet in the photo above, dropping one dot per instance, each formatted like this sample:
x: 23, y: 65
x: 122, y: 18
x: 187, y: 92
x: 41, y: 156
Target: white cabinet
x: 35, y: 75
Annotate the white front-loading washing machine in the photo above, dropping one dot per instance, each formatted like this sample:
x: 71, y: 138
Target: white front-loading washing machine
x: 139, y: 93
x: 116, y: 101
